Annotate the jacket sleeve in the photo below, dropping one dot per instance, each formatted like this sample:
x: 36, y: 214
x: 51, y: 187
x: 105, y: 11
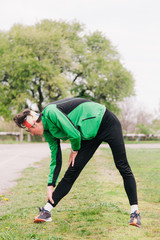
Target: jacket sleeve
x: 56, y: 158
x: 64, y: 124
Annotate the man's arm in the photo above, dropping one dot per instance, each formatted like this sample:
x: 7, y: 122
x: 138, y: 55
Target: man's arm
x: 55, y: 165
x: 56, y: 158
x: 64, y: 124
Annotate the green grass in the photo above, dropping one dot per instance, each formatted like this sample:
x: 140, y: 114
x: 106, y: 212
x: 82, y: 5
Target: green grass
x: 96, y: 208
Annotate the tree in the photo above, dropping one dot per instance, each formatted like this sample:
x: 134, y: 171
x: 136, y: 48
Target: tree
x: 155, y: 126
x: 102, y: 77
x: 34, y: 67
x: 134, y: 118
x: 128, y: 115
x: 52, y: 60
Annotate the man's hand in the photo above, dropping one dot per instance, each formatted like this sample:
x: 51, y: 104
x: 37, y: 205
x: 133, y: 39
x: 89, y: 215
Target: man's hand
x: 72, y: 157
x: 49, y: 194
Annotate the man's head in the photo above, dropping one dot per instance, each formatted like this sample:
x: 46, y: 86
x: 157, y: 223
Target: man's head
x: 30, y: 121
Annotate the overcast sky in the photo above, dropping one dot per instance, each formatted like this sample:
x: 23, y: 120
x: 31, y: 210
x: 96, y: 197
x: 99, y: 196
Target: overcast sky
x: 132, y: 26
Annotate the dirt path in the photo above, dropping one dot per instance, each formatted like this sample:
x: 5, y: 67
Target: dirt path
x: 16, y: 157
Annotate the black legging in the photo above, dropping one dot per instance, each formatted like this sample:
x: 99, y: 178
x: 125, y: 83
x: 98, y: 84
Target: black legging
x: 110, y: 131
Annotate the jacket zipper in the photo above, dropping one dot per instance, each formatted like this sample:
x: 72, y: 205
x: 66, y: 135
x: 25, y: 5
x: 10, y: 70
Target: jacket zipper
x: 88, y: 118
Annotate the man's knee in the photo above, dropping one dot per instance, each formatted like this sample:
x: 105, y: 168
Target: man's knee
x: 124, y: 170
x: 123, y: 166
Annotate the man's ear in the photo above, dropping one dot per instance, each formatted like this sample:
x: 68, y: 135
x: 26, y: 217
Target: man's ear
x: 38, y: 123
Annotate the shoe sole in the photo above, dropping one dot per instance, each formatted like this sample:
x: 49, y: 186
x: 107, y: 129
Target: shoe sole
x: 37, y: 220
x: 134, y: 224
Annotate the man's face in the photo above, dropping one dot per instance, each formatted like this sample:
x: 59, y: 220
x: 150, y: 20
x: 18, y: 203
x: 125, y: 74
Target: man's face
x: 37, y: 129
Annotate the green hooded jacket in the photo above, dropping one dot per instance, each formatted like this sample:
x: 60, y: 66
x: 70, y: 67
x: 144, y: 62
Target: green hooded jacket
x: 75, y: 119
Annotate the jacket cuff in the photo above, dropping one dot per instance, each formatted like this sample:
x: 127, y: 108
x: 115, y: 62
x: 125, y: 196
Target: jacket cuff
x: 74, y: 151
x: 52, y: 184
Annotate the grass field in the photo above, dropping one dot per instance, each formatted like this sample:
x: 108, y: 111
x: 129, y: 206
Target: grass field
x: 96, y: 208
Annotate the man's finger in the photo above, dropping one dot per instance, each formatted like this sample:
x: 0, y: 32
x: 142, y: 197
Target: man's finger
x: 69, y: 163
x: 50, y: 199
x: 72, y: 162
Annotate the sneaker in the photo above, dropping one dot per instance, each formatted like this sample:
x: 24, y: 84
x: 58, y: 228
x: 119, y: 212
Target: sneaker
x: 43, y: 216
x: 135, y: 219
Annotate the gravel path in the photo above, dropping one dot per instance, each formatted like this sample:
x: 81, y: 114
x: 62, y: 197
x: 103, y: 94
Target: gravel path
x: 14, y: 158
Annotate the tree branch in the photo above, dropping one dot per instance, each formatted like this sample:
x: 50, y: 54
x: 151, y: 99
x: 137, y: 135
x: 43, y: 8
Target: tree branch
x: 78, y: 75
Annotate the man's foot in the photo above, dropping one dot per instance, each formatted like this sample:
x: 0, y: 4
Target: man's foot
x: 135, y: 219
x: 43, y: 216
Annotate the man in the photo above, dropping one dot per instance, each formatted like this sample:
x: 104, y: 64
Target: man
x: 86, y: 124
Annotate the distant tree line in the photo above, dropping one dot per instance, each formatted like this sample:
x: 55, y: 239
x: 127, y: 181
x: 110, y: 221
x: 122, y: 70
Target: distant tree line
x: 55, y: 59
x: 135, y: 119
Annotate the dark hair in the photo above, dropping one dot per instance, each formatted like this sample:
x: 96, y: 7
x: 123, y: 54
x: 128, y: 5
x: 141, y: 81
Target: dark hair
x: 20, y: 118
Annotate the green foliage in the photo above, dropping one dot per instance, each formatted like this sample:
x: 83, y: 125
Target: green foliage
x: 54, y: 59
x: 102, y: 77
x: 34, y: 67
x: 143, y: 128
x: 156, y: 125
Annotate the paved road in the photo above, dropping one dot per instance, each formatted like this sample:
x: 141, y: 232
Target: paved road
x: 16, y: 157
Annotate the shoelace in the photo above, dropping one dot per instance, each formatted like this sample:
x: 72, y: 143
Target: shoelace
x: 41, y: 209
x: 135, y: 215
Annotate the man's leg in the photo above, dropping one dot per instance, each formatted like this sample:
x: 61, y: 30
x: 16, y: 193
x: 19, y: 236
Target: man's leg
x: 122, y: 165
x: 121, y: 162
x: 111, y: 132
x: 87, y: 150
x: 84, y: 155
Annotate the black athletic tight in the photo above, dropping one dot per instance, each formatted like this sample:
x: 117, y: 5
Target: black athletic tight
x: 110, y: 131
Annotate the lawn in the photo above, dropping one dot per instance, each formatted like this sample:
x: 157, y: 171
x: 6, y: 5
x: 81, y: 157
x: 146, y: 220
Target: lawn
x: 96, y: 208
